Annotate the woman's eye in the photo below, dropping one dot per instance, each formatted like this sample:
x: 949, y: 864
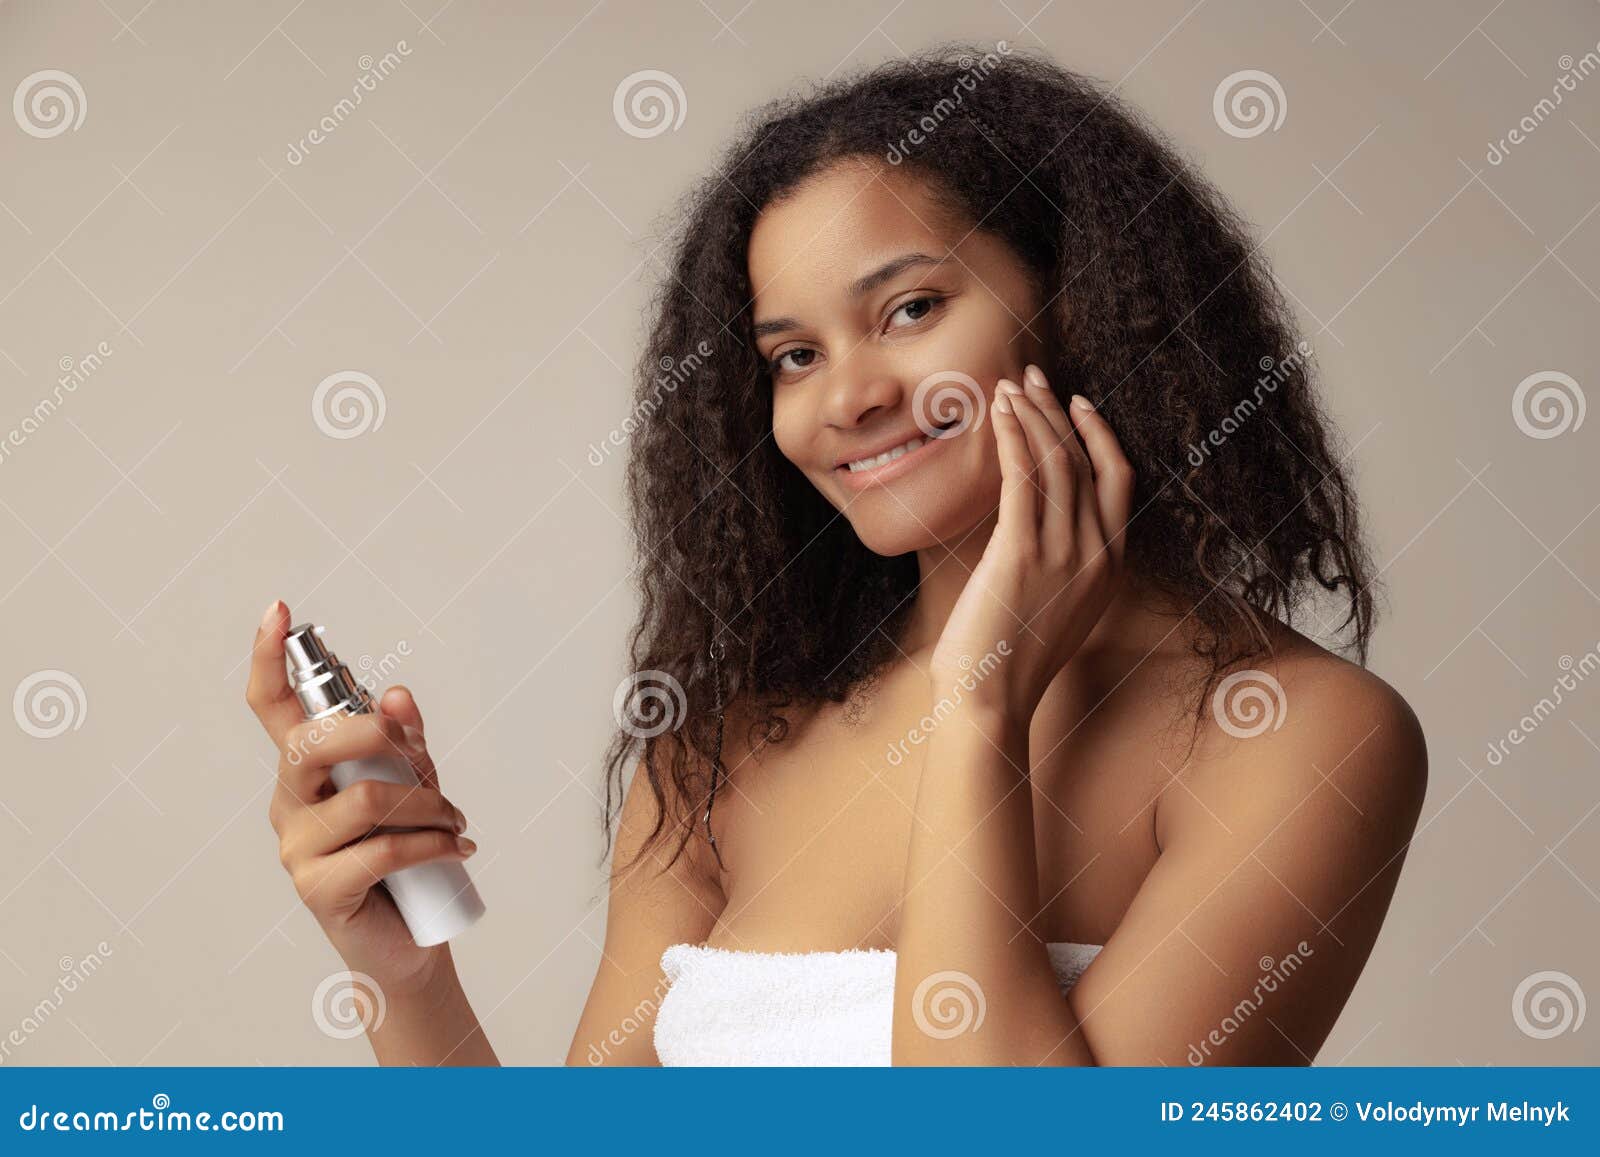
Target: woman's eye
x: 777, y: 365
x: 915, y: 310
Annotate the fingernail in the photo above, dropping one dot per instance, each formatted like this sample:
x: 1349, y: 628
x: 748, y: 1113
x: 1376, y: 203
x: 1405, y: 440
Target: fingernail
x: 1082, y: 402
x: 461, y: 820
x: 465, y: 846
x: 1034, y: 376
x: 1002, y: 404
x: 1009, y: 386
x: 270, y: 615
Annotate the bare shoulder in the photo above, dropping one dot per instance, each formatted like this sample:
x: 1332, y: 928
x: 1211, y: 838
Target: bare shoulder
x: 656, y: 834
x: 1302, y: 729
x: 1282, y: 837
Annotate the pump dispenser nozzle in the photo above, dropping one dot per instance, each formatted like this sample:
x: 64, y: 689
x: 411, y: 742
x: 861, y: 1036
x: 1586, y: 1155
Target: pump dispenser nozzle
x: 437, y: 899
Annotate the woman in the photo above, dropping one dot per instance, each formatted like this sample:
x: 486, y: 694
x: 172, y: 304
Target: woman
x: 972, y: 544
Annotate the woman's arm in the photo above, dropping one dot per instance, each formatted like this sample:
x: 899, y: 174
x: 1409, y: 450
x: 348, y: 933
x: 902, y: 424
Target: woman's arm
x: 1278, y: 862
x: 1279, y: 853
x: 649, y: 910
x: 432, y: 1025
x: 333, y: 848
x: 972, y: 883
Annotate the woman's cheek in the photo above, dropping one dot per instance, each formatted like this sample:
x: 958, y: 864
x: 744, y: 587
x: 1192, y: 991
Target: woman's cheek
x: 786, y: 432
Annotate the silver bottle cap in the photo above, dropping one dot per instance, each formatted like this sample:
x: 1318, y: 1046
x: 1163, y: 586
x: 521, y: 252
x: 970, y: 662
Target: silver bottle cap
x: 322, y: 683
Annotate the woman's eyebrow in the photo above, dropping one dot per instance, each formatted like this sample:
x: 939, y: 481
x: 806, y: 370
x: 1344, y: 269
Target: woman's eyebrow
x: 861, y: 286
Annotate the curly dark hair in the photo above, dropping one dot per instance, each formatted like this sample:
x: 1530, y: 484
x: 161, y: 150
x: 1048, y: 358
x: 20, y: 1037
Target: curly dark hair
x: 1156, y: 305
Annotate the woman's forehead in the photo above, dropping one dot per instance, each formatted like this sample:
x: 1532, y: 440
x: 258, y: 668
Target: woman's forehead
x: 834, y: 226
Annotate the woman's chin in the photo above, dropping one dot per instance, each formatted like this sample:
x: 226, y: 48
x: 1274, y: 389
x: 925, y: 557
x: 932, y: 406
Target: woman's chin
x: 911, y: 530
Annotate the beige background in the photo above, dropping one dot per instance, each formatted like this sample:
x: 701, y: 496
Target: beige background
x: 478, y: 237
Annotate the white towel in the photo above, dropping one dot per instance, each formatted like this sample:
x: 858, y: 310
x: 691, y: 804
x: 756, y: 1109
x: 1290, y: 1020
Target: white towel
x: 728, y: 1007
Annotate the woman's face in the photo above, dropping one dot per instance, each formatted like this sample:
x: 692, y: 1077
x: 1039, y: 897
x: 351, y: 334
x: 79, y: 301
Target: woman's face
x: 882, y: 322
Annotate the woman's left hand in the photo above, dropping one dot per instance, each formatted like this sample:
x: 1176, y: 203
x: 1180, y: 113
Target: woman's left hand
x: 1054, y: 558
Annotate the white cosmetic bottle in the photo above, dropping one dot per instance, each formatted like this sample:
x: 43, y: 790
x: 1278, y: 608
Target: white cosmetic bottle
x: 437, y: 900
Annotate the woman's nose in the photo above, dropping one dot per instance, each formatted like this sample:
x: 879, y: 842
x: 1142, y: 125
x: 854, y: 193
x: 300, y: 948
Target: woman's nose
x: 862, y: 387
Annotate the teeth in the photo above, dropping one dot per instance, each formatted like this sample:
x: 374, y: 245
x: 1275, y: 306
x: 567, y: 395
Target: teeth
x: 886, y: 457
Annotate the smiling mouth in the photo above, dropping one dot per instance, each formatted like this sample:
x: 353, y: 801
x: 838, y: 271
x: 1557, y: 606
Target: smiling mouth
x: 862, y: 465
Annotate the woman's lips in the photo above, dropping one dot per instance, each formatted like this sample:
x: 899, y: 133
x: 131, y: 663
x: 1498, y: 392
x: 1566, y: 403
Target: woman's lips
x: 859, y: 480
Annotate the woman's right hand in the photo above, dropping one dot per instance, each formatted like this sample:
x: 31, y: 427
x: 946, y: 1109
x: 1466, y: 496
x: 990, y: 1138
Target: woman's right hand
x: 326, y: 839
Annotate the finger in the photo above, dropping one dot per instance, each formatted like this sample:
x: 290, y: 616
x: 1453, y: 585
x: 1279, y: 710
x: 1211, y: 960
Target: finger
x: 311, y: 747
x: 1019, y: 494
x: 302, y: 778
x: 398, y: 704
x: 1045, y: 398
x: 268, y: 690
x: 367, y: 804
x: 1113, y: 473
x: 1052, y: 470
x: 347, y: 875
x: 1087, y: 516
